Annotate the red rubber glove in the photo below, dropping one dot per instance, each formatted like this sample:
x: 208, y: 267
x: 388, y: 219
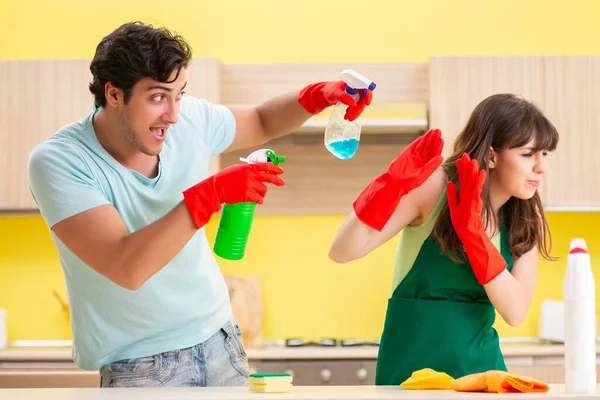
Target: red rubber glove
x: 318, y: 96
x: 378, y: 201
x: 486, y: 261
x: 234, y: 184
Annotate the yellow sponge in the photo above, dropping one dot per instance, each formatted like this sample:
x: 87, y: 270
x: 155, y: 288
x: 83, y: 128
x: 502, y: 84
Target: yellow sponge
x: 271, y: 383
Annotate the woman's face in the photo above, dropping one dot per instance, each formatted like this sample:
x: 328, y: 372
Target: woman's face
x: 518, y: 172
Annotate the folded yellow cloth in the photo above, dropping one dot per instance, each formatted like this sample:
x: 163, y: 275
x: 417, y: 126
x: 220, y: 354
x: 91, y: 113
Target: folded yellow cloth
x: 428, y: 379
x: 498, y: 382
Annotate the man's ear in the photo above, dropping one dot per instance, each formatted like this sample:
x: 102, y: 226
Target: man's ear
x: 114, y: 96
x: 492, y: 159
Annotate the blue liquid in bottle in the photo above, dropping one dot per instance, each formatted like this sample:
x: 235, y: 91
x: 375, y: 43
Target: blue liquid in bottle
x: 342, y: 137
x: 343, y: 149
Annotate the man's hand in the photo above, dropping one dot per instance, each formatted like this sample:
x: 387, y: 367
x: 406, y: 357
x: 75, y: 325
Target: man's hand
x: 234, y: 184
x: 318, y: 96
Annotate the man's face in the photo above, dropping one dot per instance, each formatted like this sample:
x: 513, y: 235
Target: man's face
x: 152, y: 108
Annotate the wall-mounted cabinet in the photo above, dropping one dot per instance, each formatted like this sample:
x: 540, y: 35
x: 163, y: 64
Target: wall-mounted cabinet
x: 40, y: 96
x: 571, y: 101
x: 566, y: 88
x: 37, y: 97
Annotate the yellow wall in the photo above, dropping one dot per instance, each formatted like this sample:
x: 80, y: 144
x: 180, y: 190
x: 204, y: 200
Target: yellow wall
x: 306, y: 30
x: 304, y: 293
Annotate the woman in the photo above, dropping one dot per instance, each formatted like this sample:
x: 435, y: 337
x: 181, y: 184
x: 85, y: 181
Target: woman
x: 471, y: 231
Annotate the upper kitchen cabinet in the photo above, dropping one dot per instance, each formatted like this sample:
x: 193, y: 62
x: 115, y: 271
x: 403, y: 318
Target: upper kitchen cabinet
x: 318, y: 183
x: 399, y: 103
x: 458, y: 84
x: 204, y: 81
x: 40, y: 96
x: 565, y: 88
x: 572, y: 93
x: 37, y: 98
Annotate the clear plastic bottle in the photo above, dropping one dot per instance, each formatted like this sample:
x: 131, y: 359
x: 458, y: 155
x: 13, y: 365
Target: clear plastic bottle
x: 580, y: 321
x: 342, y: 136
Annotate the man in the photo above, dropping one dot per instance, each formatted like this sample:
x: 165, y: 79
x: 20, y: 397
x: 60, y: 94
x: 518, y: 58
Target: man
x: 125, y: 192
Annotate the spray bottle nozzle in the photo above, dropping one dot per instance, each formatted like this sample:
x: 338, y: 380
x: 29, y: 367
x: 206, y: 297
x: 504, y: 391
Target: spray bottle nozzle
x: 263, y: 155
x: 356, y: 81
x: 274, y: 158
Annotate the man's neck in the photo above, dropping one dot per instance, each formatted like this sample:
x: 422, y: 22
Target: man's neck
x: 107, y: 130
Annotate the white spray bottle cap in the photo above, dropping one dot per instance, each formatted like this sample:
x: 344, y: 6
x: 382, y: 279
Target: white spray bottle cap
x: 356, y: 81
x: 579, y: 278
x: 577, y: 246
x: 263, y: 155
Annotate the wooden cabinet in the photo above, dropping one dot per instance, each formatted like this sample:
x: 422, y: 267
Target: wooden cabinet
x: 48, y: 378
x: 322, y: 372
x: 566, y: 88
x: 306, y: 372
x: 548, y: 373
x: 572, y: 90
x: 458, y: 84
x: 41, y: 96
x: 38, y: 97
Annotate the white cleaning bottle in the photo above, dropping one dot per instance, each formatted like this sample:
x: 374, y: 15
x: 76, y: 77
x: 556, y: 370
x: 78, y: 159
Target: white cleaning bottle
x: 342, y: 136
x: 580, y: 321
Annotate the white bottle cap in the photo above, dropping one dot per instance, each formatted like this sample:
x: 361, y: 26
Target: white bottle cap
x: 578, y: 246
x: 357, y: 81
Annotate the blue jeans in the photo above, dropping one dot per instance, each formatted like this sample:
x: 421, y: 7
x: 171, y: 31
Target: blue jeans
x: 219, y: 361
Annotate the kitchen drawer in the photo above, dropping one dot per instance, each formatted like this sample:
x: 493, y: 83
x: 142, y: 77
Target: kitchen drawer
x: 550, y: 373
x: 263, y: 367
x: 49, y: 378
x: 322, y: 372
x: 523, y: 370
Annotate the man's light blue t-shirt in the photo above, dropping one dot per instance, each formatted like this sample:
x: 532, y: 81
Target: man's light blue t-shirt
x: 183, y: 304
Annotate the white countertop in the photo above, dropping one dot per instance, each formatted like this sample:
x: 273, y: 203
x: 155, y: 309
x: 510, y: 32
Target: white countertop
x: 297, y: 393
x: 281, y: 353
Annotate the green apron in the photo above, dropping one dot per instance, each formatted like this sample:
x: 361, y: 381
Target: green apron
x: 439, y: 317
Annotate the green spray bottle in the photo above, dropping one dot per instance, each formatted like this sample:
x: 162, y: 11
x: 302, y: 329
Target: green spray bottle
x: 236, y: 219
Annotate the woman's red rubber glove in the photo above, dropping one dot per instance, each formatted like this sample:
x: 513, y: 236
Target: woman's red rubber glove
x: 378, y: 201
x: 486, y: 261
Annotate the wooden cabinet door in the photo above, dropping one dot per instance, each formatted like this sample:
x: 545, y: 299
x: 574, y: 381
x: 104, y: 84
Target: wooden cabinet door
x: 572, y: 90
x: 458, y: 84
x: 37, y: 98
x: 565, y: 88
x: 550, y: 373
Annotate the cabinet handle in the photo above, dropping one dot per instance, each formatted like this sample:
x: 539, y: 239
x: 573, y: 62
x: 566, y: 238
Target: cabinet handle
x: 362, y: 374
x: 325, y: 375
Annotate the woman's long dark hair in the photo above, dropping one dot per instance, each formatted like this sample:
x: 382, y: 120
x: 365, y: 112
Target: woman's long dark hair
x: 502, y: 121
